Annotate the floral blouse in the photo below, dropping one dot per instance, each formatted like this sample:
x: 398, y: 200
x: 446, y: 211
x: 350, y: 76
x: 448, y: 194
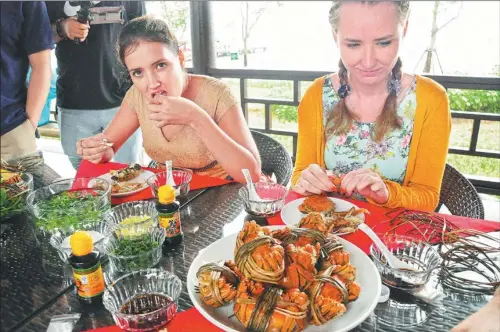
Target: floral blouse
x: 357, y: 150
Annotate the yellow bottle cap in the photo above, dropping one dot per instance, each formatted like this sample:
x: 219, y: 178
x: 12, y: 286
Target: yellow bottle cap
x: 166, y: 194
x: 81, y: 243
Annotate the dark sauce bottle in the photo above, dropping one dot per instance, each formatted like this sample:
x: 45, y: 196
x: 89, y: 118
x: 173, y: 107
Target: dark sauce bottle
x: 169, y: 216
x: 87, y: 271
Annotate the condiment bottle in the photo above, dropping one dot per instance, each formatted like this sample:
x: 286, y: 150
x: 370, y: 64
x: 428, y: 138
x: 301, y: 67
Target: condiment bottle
x: 87, y: 270
x: 169, y: 215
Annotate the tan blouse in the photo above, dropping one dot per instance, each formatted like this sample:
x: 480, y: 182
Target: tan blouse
x: 186, y: 148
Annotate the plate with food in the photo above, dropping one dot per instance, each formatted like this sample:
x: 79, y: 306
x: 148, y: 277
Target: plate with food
x: 323, y: 213
x: 14, y: 188
x: 283, y: 278
x: 128, y: 180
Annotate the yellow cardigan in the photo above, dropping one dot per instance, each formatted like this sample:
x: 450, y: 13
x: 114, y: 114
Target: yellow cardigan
x: 428, y: 148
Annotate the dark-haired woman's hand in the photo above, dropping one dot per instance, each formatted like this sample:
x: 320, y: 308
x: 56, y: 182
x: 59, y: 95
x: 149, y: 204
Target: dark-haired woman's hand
x: 167, y: 110
x: 367, y: 183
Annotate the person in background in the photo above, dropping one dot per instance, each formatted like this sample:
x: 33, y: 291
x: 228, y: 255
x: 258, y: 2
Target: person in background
x: 91, y: 83
x: 26, y: 39
x: 383, y: 132
x: 192, y: 120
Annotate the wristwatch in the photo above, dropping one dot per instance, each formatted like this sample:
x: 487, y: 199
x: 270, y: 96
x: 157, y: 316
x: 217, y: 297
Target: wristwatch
x: 59, y: 29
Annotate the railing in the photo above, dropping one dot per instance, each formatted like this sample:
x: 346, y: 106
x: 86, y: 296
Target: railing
x: 485, y: 185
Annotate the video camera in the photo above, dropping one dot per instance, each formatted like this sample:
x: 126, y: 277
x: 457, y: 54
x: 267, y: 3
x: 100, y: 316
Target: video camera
x: 87, y: 13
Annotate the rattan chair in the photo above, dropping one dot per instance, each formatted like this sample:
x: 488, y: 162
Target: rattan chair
x: 459, y: 195
x: 275, y: 159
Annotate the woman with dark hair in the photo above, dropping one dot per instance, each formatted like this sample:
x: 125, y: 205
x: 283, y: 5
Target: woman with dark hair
x: 383, y: 133
x: 192, y: 120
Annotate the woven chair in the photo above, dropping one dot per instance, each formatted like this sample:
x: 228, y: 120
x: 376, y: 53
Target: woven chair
x: 275, y: 159
x: 459, y: 195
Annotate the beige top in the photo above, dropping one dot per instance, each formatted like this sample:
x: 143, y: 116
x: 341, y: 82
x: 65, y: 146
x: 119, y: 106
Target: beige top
x: 186, y: 148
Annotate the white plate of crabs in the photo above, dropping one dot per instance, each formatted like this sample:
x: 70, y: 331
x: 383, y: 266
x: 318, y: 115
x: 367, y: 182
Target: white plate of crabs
x: 224, y: 317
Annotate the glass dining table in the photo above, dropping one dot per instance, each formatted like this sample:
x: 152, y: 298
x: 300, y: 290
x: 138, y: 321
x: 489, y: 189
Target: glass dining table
x: 36, y: 287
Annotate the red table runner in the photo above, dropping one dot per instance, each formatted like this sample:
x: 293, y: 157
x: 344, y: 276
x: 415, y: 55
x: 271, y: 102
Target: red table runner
x: 88, y: 169
x: 192, y: 320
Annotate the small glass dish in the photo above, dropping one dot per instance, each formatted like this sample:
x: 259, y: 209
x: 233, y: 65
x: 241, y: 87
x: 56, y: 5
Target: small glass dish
x: 152, y: 294
x: 272, y: 199
x: 419, y: 254
x: 87, y: 199
x: 182, y: 179
x: 13, y: 207
x: 151, y: 239
x: 98, y: 231
x: 144, y: 211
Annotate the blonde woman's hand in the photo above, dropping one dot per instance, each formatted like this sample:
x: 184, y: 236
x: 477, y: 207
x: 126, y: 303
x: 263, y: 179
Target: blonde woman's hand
x: 94, y: 149
x: 313, y: 180
x: 166, y: 110
x: 367, y: 183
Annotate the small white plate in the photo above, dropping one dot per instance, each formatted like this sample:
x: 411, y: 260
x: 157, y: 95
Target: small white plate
x: 367, y: 277
x: 291, y: 215
x: 141, y: 178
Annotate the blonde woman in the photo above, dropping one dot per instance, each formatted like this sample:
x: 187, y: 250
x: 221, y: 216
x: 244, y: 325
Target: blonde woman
x: 383, y: 131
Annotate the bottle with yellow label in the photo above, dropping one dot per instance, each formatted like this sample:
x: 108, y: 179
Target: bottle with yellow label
x: 169, y: 216
x: 87, y: 271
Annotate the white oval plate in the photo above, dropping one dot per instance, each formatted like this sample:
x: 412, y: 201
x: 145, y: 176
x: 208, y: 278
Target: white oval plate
x: 141, y: 178
x: 367, y: 277
x: 291, y: 215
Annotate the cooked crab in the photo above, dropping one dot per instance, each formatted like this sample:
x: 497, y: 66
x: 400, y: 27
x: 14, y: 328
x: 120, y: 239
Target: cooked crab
x: 317, y: 203
x: 333, y: 253
x: 261, y: 259
x: 275, y: 310
x: 218, y: 283
x: 300, y: 266
x: 299, y: 237
x: 251, y: 231
x: 328, y: 296
x: 314, y: 221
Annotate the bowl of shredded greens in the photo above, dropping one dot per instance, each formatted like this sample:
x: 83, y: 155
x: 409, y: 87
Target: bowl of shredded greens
x: 67, y: 204
x: 132, y: 218
x: 130, y: 253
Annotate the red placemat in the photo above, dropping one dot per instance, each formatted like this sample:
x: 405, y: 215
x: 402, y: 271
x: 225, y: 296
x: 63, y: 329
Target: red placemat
x: 375, y: 219
x: 88, y: 169
x: 186, y: 321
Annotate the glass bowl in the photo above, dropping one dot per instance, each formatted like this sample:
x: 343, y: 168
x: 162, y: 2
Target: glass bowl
x: 419, y: 254
x: 147, y: 290
x: 272, y: 195
x: 128, y: 259
x: 67, y: 204
x: 145, y: 211
x: 98, y: 231
x: 13, y: 207
x: 182, y: 179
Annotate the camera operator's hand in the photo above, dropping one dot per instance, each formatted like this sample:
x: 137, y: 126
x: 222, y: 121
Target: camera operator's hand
x: 74, y: 29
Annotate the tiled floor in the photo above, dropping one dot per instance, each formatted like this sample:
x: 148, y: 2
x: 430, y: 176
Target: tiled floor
x: 55, y: 158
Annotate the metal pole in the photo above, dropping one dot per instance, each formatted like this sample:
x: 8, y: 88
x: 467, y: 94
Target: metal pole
x: 202, y: 36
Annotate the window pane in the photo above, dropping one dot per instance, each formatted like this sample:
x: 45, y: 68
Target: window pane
x: 256, y: 116
x: 296, y: 35
x: 269, y: 89
x: 284, y: 118
x: 286, y: 141
x: 177, y: 15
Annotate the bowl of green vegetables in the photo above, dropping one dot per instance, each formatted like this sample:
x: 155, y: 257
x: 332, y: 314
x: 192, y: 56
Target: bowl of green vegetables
x: 14, y: 188
x: 68, y: 204
x: 132, y: 252
x: 132, y: 218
